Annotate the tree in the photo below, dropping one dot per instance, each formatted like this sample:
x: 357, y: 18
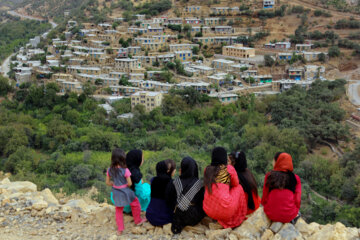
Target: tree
x: 322, y: 57
x: 99, y: 81
x: 269, y: 61
x: 124, y: 81
x: 81, y: 174
x: 334, y: 51
x: 5, y: 86
x: 195, y: 50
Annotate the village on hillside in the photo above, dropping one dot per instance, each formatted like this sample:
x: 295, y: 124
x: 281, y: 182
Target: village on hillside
x: 144, y: 58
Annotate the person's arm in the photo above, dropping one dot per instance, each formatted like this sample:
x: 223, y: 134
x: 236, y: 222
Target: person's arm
x: 265, y: 195
x: 128, y: 177
x: 108, y: 181
x: 297, y: 194
x: 234, y: 177
x: 129, y: 182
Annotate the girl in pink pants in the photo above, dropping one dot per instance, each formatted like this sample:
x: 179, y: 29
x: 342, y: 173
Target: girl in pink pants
x: 118, y: 176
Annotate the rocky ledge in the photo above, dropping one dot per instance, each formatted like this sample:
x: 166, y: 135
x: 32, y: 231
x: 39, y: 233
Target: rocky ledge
x: 26, y: 213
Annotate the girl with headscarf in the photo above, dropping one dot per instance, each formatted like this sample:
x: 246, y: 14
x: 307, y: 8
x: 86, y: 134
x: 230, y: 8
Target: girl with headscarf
x: 224, y: 198
x: 282, y: 191
x: 185, y: 195
x: 247, y: 181
x: 134, y: 160
x: 158, y: 213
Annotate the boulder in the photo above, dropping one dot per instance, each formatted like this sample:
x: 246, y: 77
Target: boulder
x: 104, y: 215
x: 276, y: 226
x: 78, y: 204
x: 198, y: 229
x: 288, y: 232
x: 332, y: 232
x: 218, y: 234
x: 5, y: 181
x: 49, y: 197
x: 215, y: 226
x: 167, y: 229
x: 306, y: 229
x: 138, y: 230
x: 158, y: 231
x: 254, y: 226
x: 19, y: 187
x: 39, y: 205
x: 268, y: 234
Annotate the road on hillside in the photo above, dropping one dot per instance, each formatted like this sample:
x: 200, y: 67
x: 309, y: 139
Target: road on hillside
x: 353, y: 91
x: 5, y: 67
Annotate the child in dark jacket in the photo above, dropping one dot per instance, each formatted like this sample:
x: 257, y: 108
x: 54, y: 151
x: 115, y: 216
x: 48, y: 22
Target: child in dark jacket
x: 158, y: 213
x: 185, y: 196
x: 282, y: 191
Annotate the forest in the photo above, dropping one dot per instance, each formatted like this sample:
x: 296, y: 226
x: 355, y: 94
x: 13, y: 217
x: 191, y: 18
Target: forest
x: 15, y: 34
x: 64, y: 142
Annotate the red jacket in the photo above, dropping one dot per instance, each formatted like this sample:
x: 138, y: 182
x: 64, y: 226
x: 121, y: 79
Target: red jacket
x: 226, y: 204
x: 257, y: 201
x: 281, y: 205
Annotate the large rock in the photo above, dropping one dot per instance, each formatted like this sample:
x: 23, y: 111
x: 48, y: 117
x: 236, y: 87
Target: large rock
x: 78, y: 204
x: 268, y: 234
x: 39, y: 205
x: 276, y: 226
x: 306, y: 229
x: 49, y: 197
x: 103, y: 216
x: 19, y: 187
x: 334, y: 232
x: 288, y: 232
x: 5, y: 181
x: 218, y: 234
x: 254, y: 226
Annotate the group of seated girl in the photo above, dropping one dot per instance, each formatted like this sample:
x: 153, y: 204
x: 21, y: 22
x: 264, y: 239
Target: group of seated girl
x: 227, y: 194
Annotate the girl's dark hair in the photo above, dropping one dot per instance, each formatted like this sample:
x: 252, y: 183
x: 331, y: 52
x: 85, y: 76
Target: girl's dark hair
x: 171, y: 165
x: 118, y: 158
x: 277, y: 155
x: 210, y: 175
x: 281, y: 180
x: 246, y: 178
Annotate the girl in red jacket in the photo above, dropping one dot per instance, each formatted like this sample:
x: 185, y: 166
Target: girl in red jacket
x: 282, y: 191
x: 224, y: 198
x: 247, y: 181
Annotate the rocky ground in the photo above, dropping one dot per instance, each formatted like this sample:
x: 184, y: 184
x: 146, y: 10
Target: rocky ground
x: 26, y: 213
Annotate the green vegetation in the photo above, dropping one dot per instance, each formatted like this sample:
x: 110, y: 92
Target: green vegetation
x: 65, y: 141
x: 14, y: 34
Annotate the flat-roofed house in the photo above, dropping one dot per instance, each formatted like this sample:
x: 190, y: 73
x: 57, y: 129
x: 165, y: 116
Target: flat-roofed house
x: 150, y: 100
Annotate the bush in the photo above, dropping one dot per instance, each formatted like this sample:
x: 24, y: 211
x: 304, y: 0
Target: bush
x: 81, y: 174
x: 269, y: 61
x: 334, y: 51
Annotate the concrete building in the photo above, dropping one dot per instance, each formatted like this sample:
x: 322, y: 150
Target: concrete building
x: 268, y: 3
x: 296, y: 73
x: 149, y: 100
x: 283, y: 85
x: 303, y: 47
x: 184, y: 56
x: 127, y: 64
x: 224, y: 10
x: 223, y: 29
x: 238, y: 51
x: 123, y: 90
x: 212, y: 21
x: 192, y: 9
x: 313, y: 56
x: 313, y: 72
x: 225, y: 98
x: 182, y: 47
x: 222, y: 65
x: 35, y: 41
x: 278, y: 45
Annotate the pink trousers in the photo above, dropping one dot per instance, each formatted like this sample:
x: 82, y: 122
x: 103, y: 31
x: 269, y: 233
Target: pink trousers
x: 136, y: 212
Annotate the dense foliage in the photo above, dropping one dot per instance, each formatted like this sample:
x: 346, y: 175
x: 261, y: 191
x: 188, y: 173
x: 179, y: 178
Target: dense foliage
x: 65, y: 141
x: 14, y: 34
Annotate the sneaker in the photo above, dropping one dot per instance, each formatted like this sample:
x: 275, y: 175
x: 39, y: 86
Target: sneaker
x: 142, y: 221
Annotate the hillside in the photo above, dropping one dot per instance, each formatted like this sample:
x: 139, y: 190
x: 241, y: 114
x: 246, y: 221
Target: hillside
x: 27, y: 213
